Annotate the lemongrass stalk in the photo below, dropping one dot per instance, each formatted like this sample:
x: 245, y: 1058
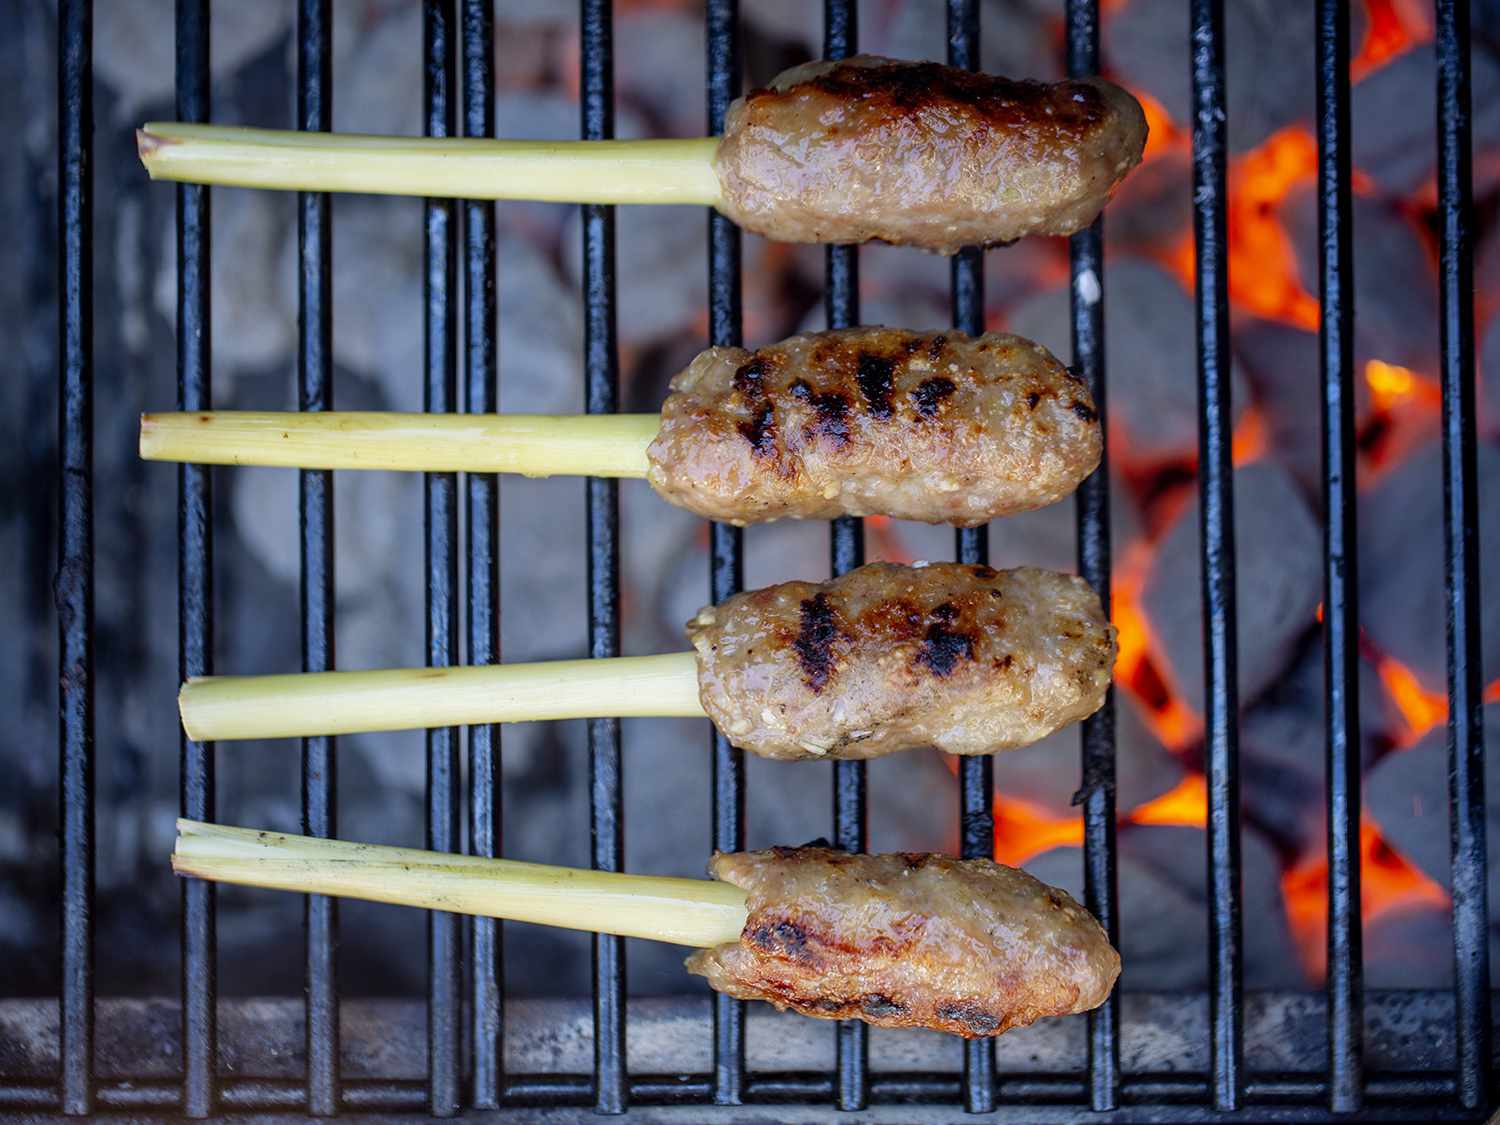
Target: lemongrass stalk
x: 647, y: 171
x: 221, y: 708
x: 698, y: 912
x: 535, y: 445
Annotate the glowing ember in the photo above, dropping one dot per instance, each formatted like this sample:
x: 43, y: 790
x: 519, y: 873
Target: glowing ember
x: 884, y: 541
x: 1186, y: 804
x: 1391, y: 28
x: 1024, y: 830
x: 1263, y: 274
x: 1250, y: 440
x: 1388, y: 881
x: 1421, y: 710
x: 1172, y: 720
x: 1262, y: 265
x: 1392, y: 386
x: 1163, y: 134
x: 1181, y: 258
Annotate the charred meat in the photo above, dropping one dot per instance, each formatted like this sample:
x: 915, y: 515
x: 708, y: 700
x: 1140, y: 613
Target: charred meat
x: 964, y: 658
x: 931, y: 426
x: 963, y: 946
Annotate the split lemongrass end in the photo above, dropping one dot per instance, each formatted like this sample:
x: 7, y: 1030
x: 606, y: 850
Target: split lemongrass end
x: 222, y: 708
x: 534, y: 445
x: 647, y: 171
x: 696, y: 912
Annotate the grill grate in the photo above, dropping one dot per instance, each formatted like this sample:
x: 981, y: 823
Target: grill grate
x: 463, y: 36
x: 481, y: 396
x: 1098, y: 731
x: 195, y: 568
x: 1216, y: 531
x: 726, y: 562
x: 1471, y: 959
x: 1340, y: 572
x: 316, y: 516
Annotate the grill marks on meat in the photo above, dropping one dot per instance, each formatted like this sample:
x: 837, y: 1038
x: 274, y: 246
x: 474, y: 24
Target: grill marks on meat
x: 885, y: 658
x: 816, y: 641
x: 760, y: 432
x: 943, y: 648
x: 831, y: 421
x: 923, y: 154
x: 928, y: 398
x: 907, y: 87
x: 963, y: 946
x: 875, y: 383
x: 868, y: 421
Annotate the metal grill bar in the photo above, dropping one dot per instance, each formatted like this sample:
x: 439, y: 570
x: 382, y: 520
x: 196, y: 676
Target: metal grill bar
x: 1471, y: 969
x: 195, y: 570
x: 74, y: 584
x: 481, y: 396
x: 976, y: 775
x: 726, y: 565
x: 1216, y: 529
x: 602, y: 379
x: 1101, y: 891
x: 1340, y: 565
x: 1035, y: 1100
x: 440, y: 395
x: 847, y: 551
x: 315, y: 392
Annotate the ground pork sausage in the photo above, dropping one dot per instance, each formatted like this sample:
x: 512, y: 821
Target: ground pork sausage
x: 931, y: 426
x: 964, y: 946
x: 886, y: 657
x: 922, y: 154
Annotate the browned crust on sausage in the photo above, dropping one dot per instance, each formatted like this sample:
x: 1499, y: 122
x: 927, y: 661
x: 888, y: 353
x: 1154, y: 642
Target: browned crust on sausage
x: 964, y: 946
x: 932, y: 426
x: 885, y: 658
x: 923, y: 154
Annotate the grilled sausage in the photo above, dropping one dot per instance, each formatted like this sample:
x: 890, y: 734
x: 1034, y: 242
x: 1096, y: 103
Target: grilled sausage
x: 885, y: 658
x: 923, y: 426
x: 963, y: 946
x: 924, y: 155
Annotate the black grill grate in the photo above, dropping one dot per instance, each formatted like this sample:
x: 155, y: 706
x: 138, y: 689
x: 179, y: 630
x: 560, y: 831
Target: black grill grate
x: 195, y: 568
x: 459, y: 43
x: 1340, y: 573
x: 1216, y: 528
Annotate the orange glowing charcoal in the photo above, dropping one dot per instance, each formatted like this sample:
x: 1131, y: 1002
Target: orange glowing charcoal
x: 1182, y: 260
x: 1392, y: 27
x: 1250, y: 440
x: 1184, y: 805
x: 1263, y: 275
x: 1024, y: 831
x: 1420, y: 709
x: 1163, y: 134
x: 1169, y: 718
x: 1392, y: 386
x: 1388, y: 882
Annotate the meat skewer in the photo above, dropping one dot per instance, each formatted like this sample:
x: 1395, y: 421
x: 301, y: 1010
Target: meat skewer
x: 912, y: 153
x: 906, y: 940
x: 884, y: 658
x: 863, y: 421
